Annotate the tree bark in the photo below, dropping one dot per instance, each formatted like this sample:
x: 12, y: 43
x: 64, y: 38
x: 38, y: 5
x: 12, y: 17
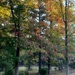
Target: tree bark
x: 40, y: 40
x: 49, y: 66
x: 39, y: 61
x: 18, y: 47
x: 17, y: 62
x: 66, y: 37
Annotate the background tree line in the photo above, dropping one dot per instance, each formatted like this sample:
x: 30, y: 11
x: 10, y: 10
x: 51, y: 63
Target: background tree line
x: 36, y: 32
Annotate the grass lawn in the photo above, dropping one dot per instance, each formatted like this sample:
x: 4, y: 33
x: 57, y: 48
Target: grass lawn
x: 58, y: 73
x: 71, y: 71
x: 1, y: 73
x: 34, y: 71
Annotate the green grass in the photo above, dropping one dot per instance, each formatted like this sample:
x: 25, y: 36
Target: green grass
x: 63, y: 72
x: 58, y: 73
x: 1, y: 73
x: 22, y: 68
x: 34, y: 69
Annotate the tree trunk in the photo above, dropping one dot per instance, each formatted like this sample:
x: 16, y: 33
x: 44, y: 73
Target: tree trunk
x: 66, y: 37
x: 16, y: 70
x: 67, y: 67
x: 49, y: 66
x: 17, y: 62
x: 29, y: 63
x: 39, y: 61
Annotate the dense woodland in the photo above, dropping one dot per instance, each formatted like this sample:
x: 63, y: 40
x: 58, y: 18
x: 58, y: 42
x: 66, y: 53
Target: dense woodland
x: 36, y: 32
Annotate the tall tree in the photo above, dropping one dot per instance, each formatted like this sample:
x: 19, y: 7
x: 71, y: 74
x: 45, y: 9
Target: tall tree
x: 38, y: 18
x: 66, y: 37
x: 17, y: 8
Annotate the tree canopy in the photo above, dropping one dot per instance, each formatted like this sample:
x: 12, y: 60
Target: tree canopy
x: 30, y: 26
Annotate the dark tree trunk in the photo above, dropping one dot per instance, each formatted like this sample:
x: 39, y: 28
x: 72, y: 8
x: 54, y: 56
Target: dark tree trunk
x: 39, y: 39
x: 66, y: 37
x: 49, y: 66
x: 39, y: 61
x: 17, y: 37
x: 17, y: 61
x: 29, y: 63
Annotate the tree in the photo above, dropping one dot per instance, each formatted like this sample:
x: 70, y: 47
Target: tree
x: 40, y: 22
x: 66, y: 38
x: 18, y: 11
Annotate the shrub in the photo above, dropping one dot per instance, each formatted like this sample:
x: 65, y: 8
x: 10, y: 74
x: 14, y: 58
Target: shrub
x: 23, y: 73
x: 26, y: 73
x: 43, y: 71
x: 72, y: 65
x: 8, y: 72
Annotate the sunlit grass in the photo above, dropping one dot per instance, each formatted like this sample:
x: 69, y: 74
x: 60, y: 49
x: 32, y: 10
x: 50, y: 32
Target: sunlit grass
x: 22, y: 68
x: 33, y: 69
x: 58, y: 73
x: 1, y: 73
